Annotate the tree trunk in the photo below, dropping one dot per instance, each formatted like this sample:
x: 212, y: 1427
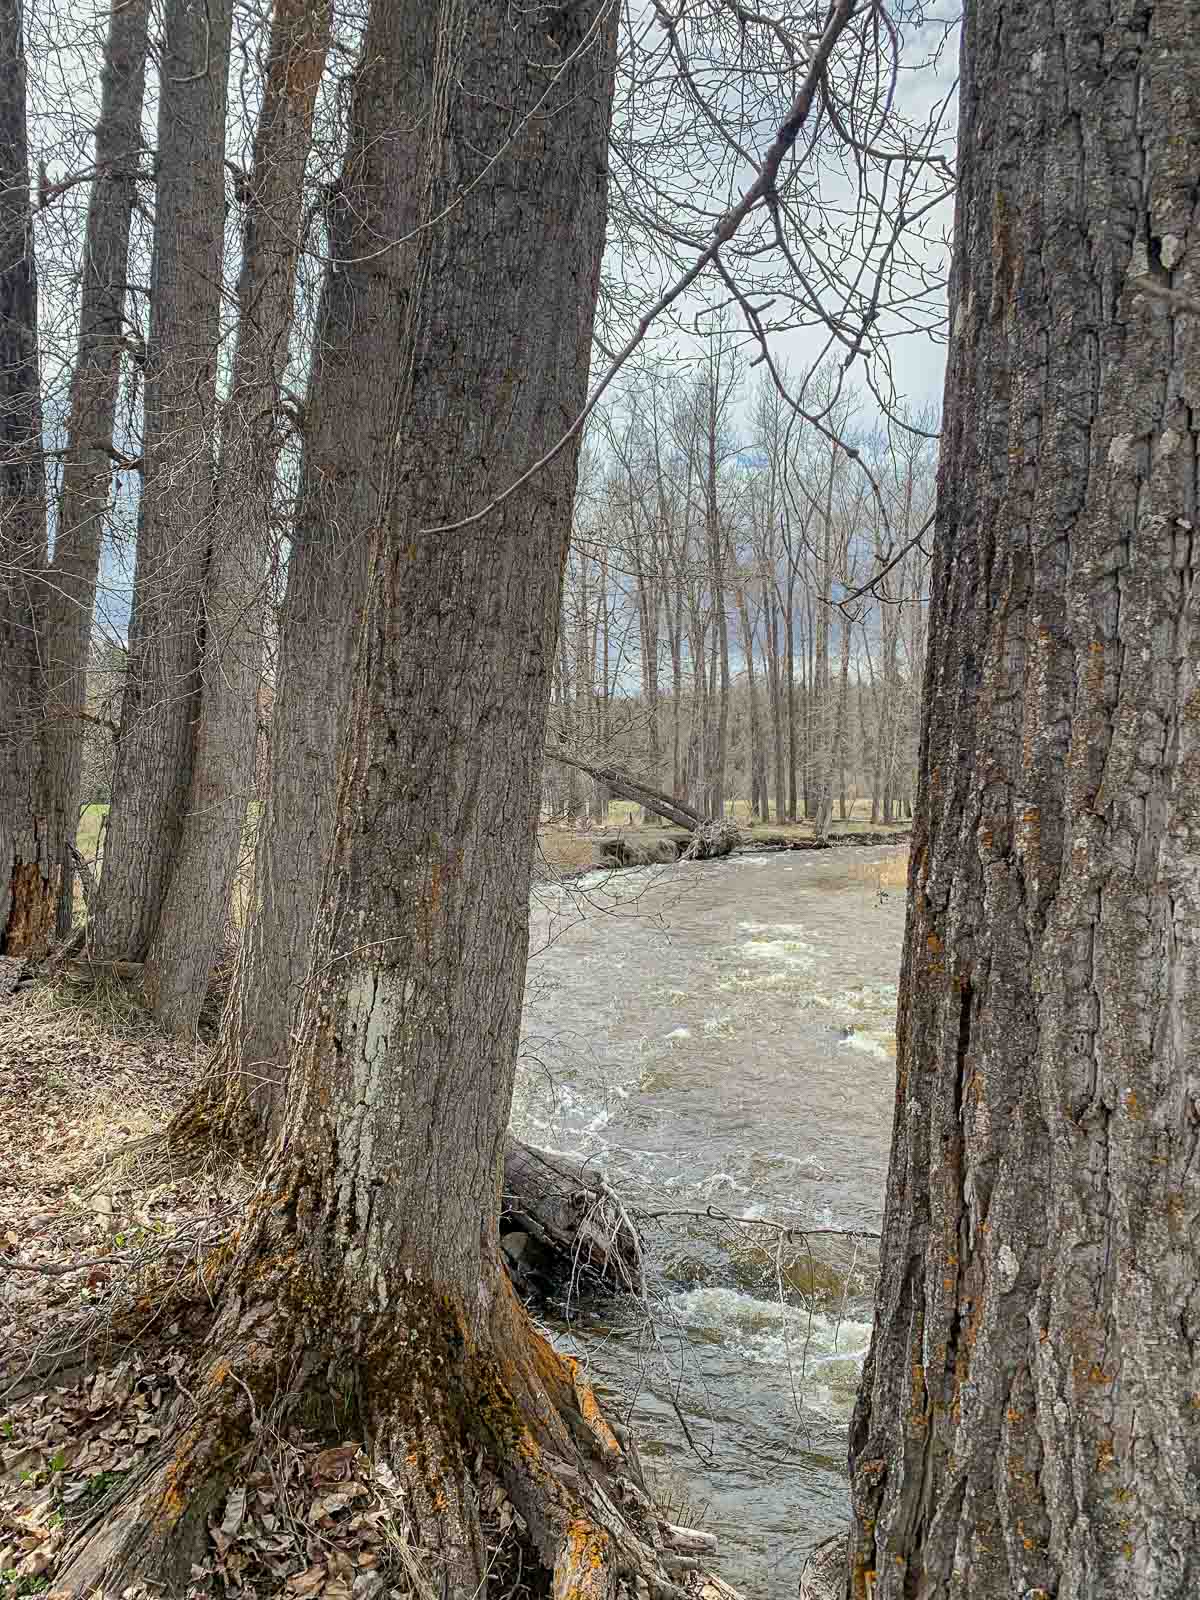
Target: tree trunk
x: 776, y: 696
x: 759, y: 804
x: 188, y: 934
x: 841, y: 732
x: 1027, y: 1423
x: 87, y: 465
x: 176, y: 512
x: 31, y: 811
x: 789, y: 668
x: 368, y: 1268
x: 350, y: 418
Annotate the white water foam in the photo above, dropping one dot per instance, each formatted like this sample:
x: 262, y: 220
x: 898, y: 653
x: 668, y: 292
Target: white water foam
x: 828, y: 1352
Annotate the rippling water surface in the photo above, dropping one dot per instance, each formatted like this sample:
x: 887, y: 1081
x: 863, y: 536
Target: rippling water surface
x: 719, y: 1037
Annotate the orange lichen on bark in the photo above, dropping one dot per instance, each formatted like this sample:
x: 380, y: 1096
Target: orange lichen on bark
x: 589, y: 1410
x: 582, y: 1571
x: 31, y: 910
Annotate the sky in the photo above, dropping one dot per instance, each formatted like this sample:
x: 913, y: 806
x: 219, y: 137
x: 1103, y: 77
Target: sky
x: 698, y: 178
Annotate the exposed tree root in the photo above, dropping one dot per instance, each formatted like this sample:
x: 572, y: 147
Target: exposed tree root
x: 447, y: 1399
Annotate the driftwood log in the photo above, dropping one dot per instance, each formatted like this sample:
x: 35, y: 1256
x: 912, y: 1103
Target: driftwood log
x: 714, y: 838
x: 831, y: 841
x: 563, y: 1230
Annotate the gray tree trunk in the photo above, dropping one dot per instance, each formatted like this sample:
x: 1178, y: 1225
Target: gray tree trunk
x: 1027, y: 1423
x: 369, y: 1267
x: 775, y: 695
x: 188, y: 934
x: 350, y: 418
x: 85, y: 490
x: 789, y: 667
x: 759, y: 804
x: 31, y: 842
x: 176, y: 515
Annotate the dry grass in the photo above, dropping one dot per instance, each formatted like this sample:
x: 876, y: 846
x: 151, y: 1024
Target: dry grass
x: 562, y: 851
x: 889, y: 874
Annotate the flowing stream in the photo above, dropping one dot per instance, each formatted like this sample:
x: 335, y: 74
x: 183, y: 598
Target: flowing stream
x: 718, y: 1037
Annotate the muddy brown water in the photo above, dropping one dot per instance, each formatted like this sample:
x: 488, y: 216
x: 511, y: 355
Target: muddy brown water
x: 719, y: 1038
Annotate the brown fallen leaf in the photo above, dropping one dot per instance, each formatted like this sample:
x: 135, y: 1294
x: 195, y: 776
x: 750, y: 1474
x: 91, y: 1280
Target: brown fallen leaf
x: 307, y: 1582
x: 334, y: 1465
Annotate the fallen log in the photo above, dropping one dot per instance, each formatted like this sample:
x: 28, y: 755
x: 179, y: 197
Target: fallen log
x: 630, y: 788
x: 628, y: 851
x: 688, y: 1541
x: 563, y: 1230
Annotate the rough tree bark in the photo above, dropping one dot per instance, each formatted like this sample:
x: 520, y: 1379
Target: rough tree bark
x: 368, y: 1270
x: 87, y: 465
x: 349, y: 420
x: 1027, y: 1423
x: 175, y: 518
x: 196, y: 904
x: 31, y: 843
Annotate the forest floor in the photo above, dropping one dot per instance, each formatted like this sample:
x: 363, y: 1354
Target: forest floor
x: 91, y: 1215
x: 95, y: 1223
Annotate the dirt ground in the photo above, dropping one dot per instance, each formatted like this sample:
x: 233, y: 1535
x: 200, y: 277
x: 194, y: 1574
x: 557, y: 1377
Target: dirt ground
x: 96, y: 1224
x: 91, y: 1217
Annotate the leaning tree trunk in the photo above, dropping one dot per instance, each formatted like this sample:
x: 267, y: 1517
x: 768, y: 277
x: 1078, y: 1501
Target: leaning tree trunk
x: 31, y: 843
x: 367, y: 1274
x: 87, y: 465
x: 627, y: 787
x: 1027, y: 1423
x: 188, y: 934
x: 176, y: 512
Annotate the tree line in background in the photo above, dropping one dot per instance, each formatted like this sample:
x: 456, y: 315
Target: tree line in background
x: 736, y: 625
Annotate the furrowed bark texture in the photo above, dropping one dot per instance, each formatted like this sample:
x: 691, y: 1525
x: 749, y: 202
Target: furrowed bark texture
x: 369, y: 1268
x: 188, y: 935
x: 416, y: 993
x: 350, y: 419
x: 30, y: 831
x: 166, y: 630
x: 87, y: 466
x: 1028, y: 1419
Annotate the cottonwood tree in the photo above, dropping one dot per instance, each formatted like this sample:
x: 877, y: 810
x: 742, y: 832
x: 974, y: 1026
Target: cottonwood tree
x: 196, y: 902
x: 348, y: 425
x: 87, y: 467
x: 31, y: 838
x: 161, y: 701
x: 368, y: 1265
x: 1027, y: 1421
